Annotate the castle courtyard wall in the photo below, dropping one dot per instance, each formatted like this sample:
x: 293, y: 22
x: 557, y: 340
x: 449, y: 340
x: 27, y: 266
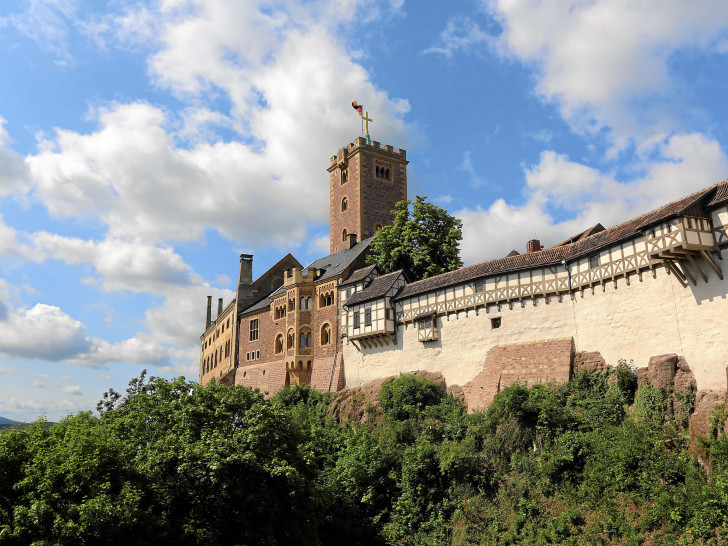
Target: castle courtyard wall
x: 622, y: 321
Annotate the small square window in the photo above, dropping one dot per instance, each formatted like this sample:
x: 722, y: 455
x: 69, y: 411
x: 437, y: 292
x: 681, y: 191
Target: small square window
x: 478, y: 286
x: 594, y: 261
x: 495, y: 322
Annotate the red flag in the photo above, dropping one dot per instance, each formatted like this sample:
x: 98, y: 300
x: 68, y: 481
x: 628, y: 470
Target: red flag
x: 357, y: 107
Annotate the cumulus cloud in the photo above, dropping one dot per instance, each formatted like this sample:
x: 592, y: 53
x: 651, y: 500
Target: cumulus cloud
x: 605, y: 62
x: 42, y: 332
x: 685, y: 163
x: 156, y: 176
x: 14, y: 174
x: 74, y: 390
x: 122, y: 264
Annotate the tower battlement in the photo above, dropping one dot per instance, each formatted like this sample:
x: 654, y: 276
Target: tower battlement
x: 361, y: 142
x: 366, y: 181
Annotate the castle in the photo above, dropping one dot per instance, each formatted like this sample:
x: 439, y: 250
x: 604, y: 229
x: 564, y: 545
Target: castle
x: 649, y: 286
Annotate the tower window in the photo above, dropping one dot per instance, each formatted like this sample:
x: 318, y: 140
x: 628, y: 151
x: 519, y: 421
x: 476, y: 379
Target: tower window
x: 344, y: 204
x: 325, y: 334
x: 344, y: 235
x: 344, y: 176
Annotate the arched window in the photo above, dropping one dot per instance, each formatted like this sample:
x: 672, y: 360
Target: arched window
x: 386, y: 174
x: 279, y: 344
x: 344, y: 204
x: 344, y: 235
x: 291, y: 339
x: 322, y: 301
x: 302, y: 342
x: 309, y: 303
x: 329, y: 299
x: 303, y: 303
x: 325, y: 334
x: 309, y: 340
x: 377, y: 171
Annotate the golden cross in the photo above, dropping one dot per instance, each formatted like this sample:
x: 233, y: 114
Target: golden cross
x: 367, y: 119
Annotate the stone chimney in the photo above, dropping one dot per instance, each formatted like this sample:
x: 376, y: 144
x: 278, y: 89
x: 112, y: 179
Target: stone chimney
x: 219, y: 307
x: 534, y: 245
x: 244, y: 294
x: 352, y: 240
x: 208, y: 320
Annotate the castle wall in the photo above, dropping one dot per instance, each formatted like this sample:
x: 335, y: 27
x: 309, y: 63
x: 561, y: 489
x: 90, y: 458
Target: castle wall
x: 632, y: 321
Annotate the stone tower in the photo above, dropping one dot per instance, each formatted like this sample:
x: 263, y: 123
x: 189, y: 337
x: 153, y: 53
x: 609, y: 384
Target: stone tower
x: 365, y: 180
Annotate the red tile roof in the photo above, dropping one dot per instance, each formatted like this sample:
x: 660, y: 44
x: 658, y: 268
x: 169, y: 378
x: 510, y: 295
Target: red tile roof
x: 555, y: 255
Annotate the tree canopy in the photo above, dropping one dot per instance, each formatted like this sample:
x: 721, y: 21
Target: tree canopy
x: 592, y: 461
x: 423, y: 239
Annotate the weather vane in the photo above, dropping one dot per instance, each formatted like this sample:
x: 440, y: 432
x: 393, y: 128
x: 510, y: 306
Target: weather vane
x: 365, y: 119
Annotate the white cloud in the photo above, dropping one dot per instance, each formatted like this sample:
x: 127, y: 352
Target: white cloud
x: 42, y: 332
x: 74, y: 390
x: 122, y: 264
x: 155, y: 176
x: 605, y: 62
x: 47, y: 23
x: 8, y: 371
x: 14, y: 174
x: 686, y: 163
x: 461, y: 34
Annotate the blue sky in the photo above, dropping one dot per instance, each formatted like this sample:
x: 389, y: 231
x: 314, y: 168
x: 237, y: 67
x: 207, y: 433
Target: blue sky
x: 144, y: 145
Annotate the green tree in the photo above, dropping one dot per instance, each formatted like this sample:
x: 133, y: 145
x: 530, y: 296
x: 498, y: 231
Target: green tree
x: 423, y: 240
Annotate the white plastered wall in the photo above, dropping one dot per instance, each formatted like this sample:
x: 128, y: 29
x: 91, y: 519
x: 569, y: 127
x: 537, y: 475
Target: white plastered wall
x: 646, y: 318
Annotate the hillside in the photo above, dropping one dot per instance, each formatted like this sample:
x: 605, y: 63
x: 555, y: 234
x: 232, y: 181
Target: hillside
x: 593, y: 461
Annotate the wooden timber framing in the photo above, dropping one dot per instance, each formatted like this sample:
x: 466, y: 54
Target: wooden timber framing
x: 680, y: 245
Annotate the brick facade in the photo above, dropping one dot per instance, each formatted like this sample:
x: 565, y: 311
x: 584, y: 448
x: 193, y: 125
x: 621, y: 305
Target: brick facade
x: 372, y: 178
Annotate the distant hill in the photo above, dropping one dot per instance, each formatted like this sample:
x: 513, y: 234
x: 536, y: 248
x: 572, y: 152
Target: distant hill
x: 6, y: 421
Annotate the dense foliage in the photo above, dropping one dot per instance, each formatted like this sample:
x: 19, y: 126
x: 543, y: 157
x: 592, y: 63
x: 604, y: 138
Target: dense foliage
x: 173, y: 462
x: 423, y: 239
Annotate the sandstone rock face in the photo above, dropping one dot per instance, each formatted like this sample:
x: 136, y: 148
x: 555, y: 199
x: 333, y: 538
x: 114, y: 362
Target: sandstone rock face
x: 661, y: 370
x: 353, y: 404
x: 589, y: 361
x: 705, y: 403
x: 641, y: 377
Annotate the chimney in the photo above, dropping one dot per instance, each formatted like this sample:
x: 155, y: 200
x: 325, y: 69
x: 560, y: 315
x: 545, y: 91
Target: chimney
x: 246, y: 269
x: 352, y: 240
x: 534, y: 245
x: 208, y: 320
x: 219, y: 307
x: 245, y: 294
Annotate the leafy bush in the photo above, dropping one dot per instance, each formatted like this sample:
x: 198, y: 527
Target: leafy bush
x: 408, y: 395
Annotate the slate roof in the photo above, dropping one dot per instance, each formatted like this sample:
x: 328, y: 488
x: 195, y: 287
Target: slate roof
x: 376, y: 289
x: 336, y: 263
x: 568, y: 252
x: 262, y: 304
x: 359, y: 275
x: 331, y: 265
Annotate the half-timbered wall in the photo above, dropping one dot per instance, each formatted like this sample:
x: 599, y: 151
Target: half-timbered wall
x: 618, y: 301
